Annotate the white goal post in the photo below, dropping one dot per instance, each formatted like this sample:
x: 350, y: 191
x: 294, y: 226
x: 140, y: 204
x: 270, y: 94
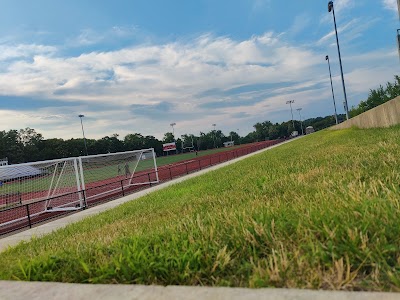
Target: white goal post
x: 65, y: 184
x: 106, y: 173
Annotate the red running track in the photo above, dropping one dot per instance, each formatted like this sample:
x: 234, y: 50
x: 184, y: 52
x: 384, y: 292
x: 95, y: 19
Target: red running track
x: 26, y: 215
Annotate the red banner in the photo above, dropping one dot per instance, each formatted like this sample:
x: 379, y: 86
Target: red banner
x: 169, y: 147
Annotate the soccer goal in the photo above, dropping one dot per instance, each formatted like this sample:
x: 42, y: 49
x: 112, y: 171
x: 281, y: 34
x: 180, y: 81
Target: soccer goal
x: 107, y: 173
x: 187, y: 144
x: 66, y: 184
x: 52, y: 184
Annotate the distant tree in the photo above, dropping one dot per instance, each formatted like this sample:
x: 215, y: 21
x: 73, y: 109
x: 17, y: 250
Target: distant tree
x: 52, y: 149
x: 12, y: 146
x: 235, y: 137
x: 377, y: 97
x: 152, y: 142
x: 134, y: 141
x: 168, y: 137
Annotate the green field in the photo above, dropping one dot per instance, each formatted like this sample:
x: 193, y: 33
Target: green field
x: 319, y: 212
x: 165, y: 160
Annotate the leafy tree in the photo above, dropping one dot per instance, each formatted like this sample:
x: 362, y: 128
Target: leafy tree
x: 377, y: 97
x: 168, y: 137
x: 133, y: 141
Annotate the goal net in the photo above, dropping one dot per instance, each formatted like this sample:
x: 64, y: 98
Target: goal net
x: 187, y: 143
x: 107, y: 173
x: 51, y: 185
x: 67, y: 184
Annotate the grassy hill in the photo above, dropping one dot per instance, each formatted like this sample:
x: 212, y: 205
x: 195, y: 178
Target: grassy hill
x: 320, y: 212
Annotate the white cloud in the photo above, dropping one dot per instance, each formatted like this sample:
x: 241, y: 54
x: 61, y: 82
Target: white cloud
x: 300, y: 23
x: 390, y: 4
x: 260, y: 4
x: 144, y: 88
x: 348, y: 32
x: 343, y: 4
x: 341, y: 8
x: 8, y: 52
x: 89, y: 36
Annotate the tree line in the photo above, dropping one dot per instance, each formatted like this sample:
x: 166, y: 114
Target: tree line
x: 27, y: 145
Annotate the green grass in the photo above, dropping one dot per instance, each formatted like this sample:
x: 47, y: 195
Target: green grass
x: 165, y: 160
x: 320, y: 212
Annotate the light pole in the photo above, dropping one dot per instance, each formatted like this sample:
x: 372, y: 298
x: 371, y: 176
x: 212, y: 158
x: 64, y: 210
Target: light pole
x: 291, y: 110
x: 333, y: 94
x: 238, y: 135
x: 301, y: 121
x: 398, y: 38
x: 83, y: 133
x: 214, y: 133
x: 173, y: 133
x: 346, y: 107
x: 398, y: 30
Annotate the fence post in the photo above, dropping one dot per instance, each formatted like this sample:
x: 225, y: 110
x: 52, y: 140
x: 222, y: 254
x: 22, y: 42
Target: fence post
x: 29, y: 216
x: 122, y: 188
x: 199, y: 164
x: 170, y: 174
x: 187, y: 172
x: 148, y: 176
x: 84, y: 199
x: 20, y: 198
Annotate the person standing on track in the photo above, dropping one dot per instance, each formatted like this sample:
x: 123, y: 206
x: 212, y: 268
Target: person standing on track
x: 127, y: 171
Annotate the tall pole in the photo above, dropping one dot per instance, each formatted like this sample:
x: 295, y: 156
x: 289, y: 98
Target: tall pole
x: 173, y: 133
x: 301, y: 121
x: 238, y: 135
x: 214, y: 134
x: 333, y: 94
x: 398, y: 7
x: 83, y: 133
x: 346, y: 107
x: 291, y: 110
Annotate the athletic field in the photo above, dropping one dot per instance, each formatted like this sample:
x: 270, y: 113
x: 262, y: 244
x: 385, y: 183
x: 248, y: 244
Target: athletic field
x: 320, y: 212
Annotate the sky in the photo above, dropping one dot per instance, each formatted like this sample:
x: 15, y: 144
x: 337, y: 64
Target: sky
x: 135, y: 66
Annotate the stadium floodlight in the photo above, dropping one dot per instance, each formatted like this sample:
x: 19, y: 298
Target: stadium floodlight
x: 214, y: 133
x: 291, y: 110
x: 398, y: 41
x: 398, y: 7
x: 346, y: 107
x: 83, y: 133
x: 333, y: 94
x: 301, y: 121
x: 173, y: 131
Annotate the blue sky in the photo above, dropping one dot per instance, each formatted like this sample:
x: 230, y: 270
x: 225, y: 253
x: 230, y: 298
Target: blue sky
x: 137, y: 66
